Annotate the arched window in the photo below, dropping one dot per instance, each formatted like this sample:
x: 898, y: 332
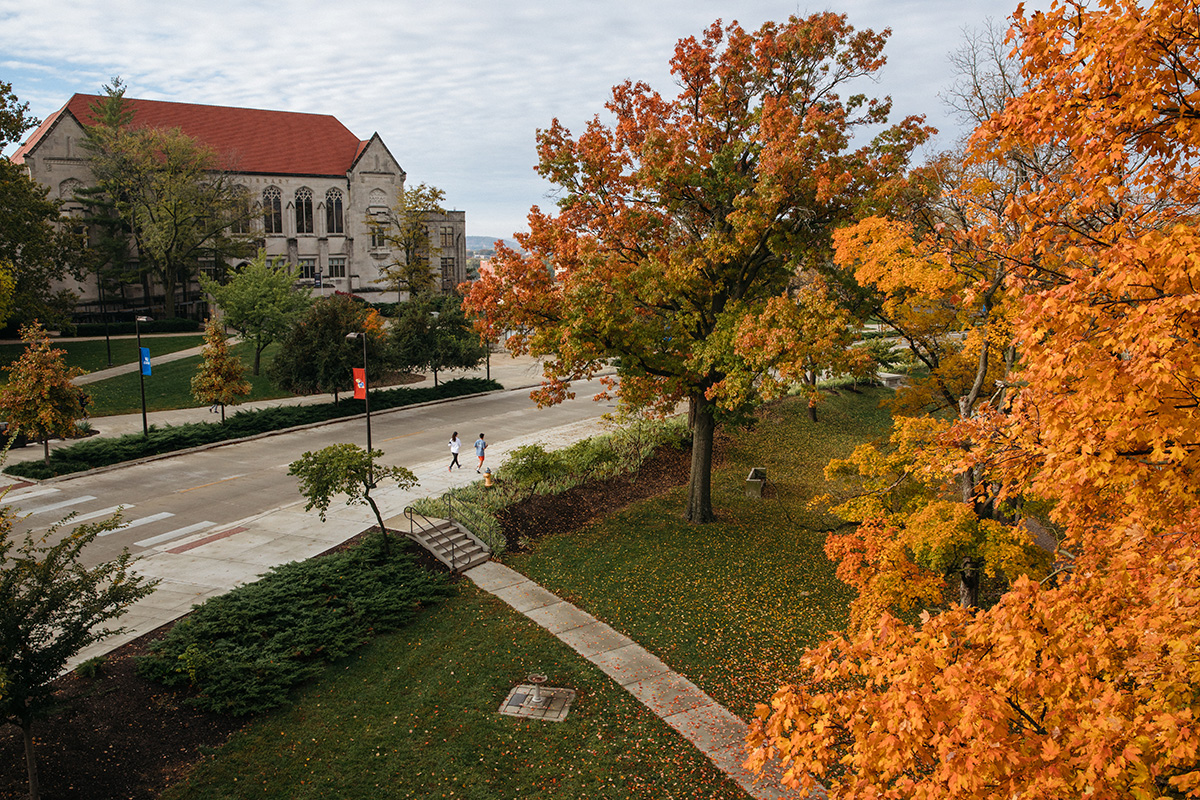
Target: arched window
x: 272, y: 210
x: 333, y: 212
x: 304, y: 210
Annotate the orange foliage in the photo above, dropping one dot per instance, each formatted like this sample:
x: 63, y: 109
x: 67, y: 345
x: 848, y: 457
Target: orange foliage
x: 1089, y: 685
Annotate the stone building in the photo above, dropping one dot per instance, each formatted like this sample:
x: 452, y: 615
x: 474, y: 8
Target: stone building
x: 318, y: 184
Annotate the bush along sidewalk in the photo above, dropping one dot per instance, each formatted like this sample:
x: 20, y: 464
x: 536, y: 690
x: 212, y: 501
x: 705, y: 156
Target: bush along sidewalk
x: 244, y: 651
x: 533, y: 470
x: 103, y: 452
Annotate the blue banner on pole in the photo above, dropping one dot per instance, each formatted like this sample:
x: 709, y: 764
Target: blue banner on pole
x: 145, y: 360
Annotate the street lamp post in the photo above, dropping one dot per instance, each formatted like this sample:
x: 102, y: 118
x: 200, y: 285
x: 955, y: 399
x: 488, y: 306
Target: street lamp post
x: 141, y: 370
x: 366, y: 402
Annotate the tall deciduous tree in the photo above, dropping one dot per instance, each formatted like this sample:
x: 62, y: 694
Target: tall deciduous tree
x: 686, y: 218
x: 52, y: 607
x: 405, y: 227
x: 315, y: 355
x: 39, y: 399
x: 260, y: 301
x: 1088, y: 685
x: 221, y: 377
x: 172, y: 193
x: 38, y: 249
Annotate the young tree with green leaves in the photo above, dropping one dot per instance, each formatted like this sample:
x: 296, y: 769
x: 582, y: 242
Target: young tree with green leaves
x: 260, y: 301
x: 39, y: 399
x: 346, y: 469
x: 685, y: 222
x: 433, y: 333
x: 315, y: 356
x: 405, y: 227
x: 221, y: 377
x: 52, y: 607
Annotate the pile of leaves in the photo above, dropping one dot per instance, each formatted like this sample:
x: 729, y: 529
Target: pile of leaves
x: 244, y: 651
x: 103, y: 452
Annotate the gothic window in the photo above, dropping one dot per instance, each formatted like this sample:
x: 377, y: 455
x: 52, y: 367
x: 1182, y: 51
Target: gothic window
x: 447, y: 236
x: 337, y: 266
x: 308, y: 269
x: 304, y: 210
x: 272, y: 210
x: 333, y: 212
x: 447, y: 274
x: 239, y: 211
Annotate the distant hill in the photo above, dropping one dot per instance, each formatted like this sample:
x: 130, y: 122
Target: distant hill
x: 486, y: 242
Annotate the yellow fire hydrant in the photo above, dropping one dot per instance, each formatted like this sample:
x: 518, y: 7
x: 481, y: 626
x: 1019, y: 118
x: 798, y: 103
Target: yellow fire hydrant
x: 487, y: 478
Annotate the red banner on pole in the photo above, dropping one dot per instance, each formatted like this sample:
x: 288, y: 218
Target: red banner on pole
x: 360, y: 383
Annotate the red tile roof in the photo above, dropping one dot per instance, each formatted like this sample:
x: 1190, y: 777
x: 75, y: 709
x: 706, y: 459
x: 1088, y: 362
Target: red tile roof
x: 253, y: 140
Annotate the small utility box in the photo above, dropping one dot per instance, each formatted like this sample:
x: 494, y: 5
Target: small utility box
x: 755, y: 481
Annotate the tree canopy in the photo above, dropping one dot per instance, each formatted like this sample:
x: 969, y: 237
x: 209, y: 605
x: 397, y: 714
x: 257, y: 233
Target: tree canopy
x: 433, y: 333
x: 1084, y: 683
x: 39, y: 399
x: 686, y: 219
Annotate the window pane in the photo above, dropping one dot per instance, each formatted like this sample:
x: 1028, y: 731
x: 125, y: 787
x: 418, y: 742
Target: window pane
x: 333, y: 211
x: 337, y: 267
x: 308, y: 269
x: 304, y: 211
x: 272, y: 210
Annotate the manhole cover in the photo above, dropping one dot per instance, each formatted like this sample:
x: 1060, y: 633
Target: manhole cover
x: 538, y: 702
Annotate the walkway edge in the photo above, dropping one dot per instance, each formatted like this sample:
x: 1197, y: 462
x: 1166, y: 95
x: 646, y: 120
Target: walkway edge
x: 713, y: 729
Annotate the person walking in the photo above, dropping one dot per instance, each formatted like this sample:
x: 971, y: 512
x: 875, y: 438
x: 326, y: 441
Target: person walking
x: 455, y: 443
x: 480, y: 446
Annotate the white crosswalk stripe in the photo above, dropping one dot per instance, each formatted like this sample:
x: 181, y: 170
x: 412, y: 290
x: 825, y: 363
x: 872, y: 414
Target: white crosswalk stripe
x: 175, y: 534
x: 104, y: 512
x: 16, y: 497
x: 139, y: 522
x: 56, y: 506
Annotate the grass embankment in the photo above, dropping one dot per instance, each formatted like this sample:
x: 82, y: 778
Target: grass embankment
x: 169, y: 386
x: 91, y: 355
x: 729, y: 605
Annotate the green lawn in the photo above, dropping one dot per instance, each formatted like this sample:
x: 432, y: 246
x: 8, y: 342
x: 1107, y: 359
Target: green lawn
x: 414, y: 715
x: 170, y: 386
x: 92, y: 355
x: 729, y: 605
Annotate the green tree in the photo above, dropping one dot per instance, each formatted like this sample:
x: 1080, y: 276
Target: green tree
x: 346, y: 469
x: 685, y: 220
x: 171, y: 193
x: 405, y: 227
x: 52, y: 607
x: 315, y: 357
x: 39, y: 249
x: 260, y: 301
x: 39, y: 399
x: 221, y: 377
x: 433, y: 333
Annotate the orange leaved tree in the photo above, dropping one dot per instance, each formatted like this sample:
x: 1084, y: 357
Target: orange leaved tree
x: 39, y: 400
x: 1087, y: 684
x: 683, y: 220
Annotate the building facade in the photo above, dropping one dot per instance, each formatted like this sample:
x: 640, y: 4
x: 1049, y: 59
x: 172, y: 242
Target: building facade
x: 321, y: 190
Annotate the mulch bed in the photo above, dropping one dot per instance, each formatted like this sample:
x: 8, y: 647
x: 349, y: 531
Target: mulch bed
x: 120, y: 736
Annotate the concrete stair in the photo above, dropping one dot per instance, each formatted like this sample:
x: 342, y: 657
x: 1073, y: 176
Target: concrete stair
x: 449, y: 542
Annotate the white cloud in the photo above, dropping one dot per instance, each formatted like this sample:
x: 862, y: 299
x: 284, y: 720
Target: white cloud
x: 457, y: 89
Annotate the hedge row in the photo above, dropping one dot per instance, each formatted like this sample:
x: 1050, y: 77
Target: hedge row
x: 244, y: 651
x: 128, y: 328
x: 102, y: 452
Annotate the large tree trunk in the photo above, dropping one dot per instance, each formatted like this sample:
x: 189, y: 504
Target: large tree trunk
x: 699, y: 507
x: 35, y: 788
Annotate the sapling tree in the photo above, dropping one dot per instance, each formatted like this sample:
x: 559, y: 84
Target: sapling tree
x: 346, y: 469
x: 221, y: 378
x: 52, y: 607
x: 39, y: 399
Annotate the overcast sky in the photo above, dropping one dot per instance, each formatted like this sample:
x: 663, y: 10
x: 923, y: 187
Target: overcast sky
x: 456, y: 89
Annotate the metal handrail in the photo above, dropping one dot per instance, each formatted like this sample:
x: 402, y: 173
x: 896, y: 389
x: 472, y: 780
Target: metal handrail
x: 410, y: 512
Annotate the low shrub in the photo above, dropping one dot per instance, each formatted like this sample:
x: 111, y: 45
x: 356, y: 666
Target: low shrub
x: 533, y: 470
x: 102, y: 452
x: 244, y: 651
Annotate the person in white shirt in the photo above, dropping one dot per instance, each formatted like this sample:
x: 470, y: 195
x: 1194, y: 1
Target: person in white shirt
x: 455, y: 443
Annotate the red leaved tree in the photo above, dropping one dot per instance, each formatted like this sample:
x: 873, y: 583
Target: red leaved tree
x: 684, y: 220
